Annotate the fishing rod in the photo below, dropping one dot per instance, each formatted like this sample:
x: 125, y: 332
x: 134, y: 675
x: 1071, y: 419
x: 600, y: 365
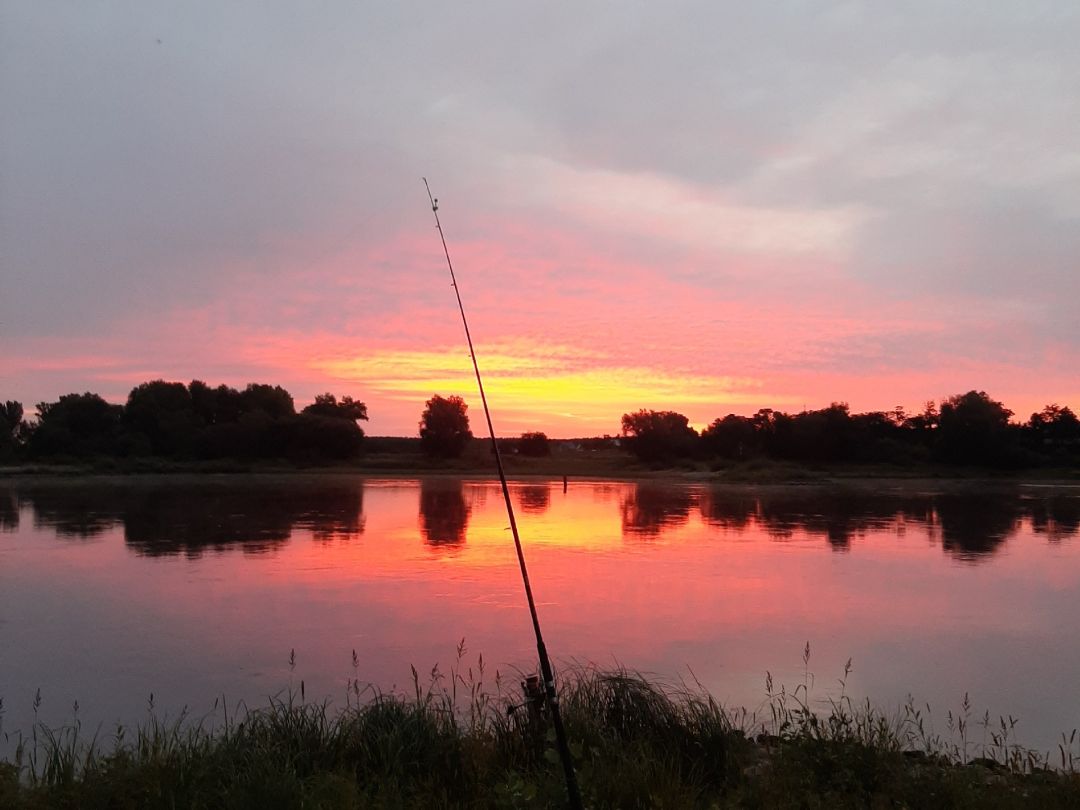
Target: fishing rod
x: 546, y: 671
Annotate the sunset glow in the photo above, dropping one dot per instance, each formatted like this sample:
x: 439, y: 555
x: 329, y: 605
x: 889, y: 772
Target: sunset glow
x: 658, y: 218
x: 523, y: 385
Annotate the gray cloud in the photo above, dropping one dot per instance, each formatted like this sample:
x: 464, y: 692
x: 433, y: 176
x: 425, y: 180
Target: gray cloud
x: 257, y: 138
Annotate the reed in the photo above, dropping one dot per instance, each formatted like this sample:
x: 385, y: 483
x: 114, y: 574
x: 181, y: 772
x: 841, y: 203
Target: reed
x: 464, y: 739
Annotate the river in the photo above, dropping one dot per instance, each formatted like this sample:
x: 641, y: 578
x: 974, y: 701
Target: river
x: 192, y: 589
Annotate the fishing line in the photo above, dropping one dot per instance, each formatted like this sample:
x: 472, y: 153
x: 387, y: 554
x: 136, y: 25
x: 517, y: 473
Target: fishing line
x: 545, y: 662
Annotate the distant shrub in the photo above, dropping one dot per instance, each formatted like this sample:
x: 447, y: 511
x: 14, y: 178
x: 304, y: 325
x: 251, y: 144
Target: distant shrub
x: 534, y: 444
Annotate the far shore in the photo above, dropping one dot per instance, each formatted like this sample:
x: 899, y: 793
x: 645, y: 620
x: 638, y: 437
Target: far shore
x: 605, y: 466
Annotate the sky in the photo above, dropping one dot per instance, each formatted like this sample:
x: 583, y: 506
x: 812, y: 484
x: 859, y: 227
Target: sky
x: 705, y: 207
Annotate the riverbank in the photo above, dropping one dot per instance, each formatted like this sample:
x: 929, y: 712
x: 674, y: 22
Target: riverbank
x: 607, y: 464
x: 459, y: 742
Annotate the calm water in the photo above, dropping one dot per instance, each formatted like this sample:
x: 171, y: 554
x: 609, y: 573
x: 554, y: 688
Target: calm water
x: 189, y: 591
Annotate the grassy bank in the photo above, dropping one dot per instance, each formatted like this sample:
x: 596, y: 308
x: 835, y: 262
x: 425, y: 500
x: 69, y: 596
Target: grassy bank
x: 458, y: 742
x: 603, y: 464
x: 398, y: 457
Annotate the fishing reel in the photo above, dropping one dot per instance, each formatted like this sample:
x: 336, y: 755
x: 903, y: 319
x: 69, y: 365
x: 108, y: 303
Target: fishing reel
x: 535, y: 699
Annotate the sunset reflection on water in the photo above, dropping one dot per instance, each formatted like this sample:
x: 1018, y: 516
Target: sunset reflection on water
x: 197, y: 589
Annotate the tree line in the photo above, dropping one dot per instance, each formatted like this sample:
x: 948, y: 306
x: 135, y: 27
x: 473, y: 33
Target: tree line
x: 193, y: 421
x: 966, y: 429
x: 260, y: 422
x: 198, y: 422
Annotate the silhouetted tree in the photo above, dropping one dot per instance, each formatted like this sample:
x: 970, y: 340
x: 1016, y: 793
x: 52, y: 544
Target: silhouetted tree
x: 251, y: 436
x: 77, y: 425
x: 260, y: 422
x: 929, y: 419
x: 821, y: 436
x: 328, y: 405
x: 444, y: 427
x: 773, y: 431
x: 11, y: 427
x: 215, y: 406
x: 273, y: 400
x: 880, y: 436
x: 659, y: 435
x: 162, y: 412
x: 731, y: 437
x: 922, y: 427
x: 11, y: 416
x: 311, y: 437
x: 974, y: 429
x: 534, y: 444
x: 1054, y: 420
x: 1055, y: 426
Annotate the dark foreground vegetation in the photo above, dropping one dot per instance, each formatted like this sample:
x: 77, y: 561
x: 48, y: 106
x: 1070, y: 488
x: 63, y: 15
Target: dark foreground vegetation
x: 170, y: 423
x: 454, y: 743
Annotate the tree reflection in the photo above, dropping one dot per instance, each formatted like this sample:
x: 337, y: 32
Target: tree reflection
x: 75, y: 511
x: 974, y: 525
x: 1057, y: 517
x: 728, y: 509
x: 444, y: 512
x: 331, y: 514
x: 534, y: 498
x: 160, y: 522
x: 169, y: 519
x: 181, y: 516
x: 9, y: 511
x: 649, y: 509
x: 838, y: 515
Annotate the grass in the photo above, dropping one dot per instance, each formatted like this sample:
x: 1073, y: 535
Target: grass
x: 460, y: 741
x: 379, y: 459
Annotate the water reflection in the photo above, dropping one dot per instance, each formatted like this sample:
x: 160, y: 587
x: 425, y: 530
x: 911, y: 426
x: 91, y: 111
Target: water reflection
x: 838, y: 516
x: 651, y: 508
x: 728, y: 509
x: 723, y: 593
x: 188, y: 519
x: 258, y: 516
x: 1056, y: 516
x: 9, y: 511
x: 444, y: 512
x: 972, y: 525
x: 77, y: 512
x: 534, y: 498
x: 975, y: 526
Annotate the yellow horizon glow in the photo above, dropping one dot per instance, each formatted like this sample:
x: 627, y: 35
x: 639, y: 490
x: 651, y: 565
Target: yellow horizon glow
x: 555, y: 383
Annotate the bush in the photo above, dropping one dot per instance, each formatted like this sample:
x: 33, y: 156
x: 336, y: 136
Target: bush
x: 534, y: 444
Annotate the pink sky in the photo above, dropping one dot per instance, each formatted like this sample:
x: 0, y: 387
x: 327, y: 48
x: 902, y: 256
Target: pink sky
x: 790, y: 210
